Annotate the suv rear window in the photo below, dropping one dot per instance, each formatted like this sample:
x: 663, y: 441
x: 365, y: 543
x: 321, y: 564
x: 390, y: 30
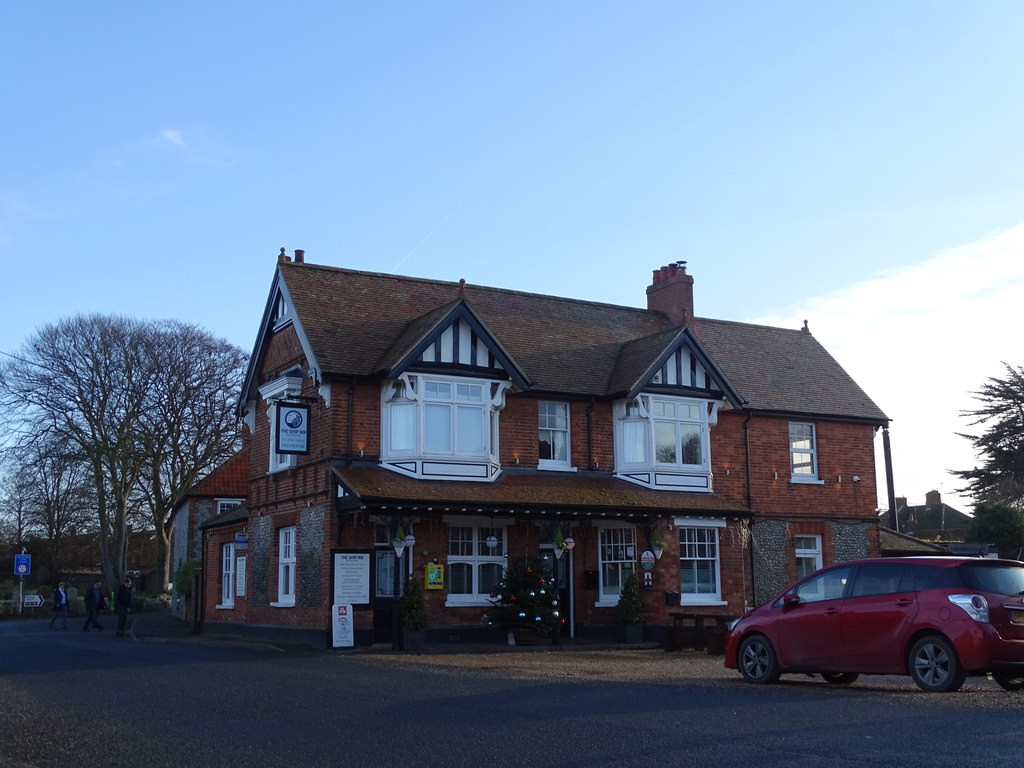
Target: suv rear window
x: 936, y: 577
x: 998, y: 579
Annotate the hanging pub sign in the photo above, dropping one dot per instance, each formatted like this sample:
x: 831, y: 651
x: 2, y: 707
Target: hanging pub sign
x: 292, y: 428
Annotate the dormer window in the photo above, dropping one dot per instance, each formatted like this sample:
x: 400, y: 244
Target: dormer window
x: 663, y: 441
x: 437, y: 425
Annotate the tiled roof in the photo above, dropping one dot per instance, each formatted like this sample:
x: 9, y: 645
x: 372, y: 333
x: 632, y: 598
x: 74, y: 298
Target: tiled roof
x: 230, y: 480
x: 354, y: 322
x: 892, y: 541
x: 528, y: 492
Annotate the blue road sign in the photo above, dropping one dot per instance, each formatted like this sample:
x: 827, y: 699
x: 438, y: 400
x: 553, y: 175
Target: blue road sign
x: 22, y: 565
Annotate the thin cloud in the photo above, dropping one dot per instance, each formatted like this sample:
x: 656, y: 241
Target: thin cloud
x: 920, y: 340
x: 192, y: 148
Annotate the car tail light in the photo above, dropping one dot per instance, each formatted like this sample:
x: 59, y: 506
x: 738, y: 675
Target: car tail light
x: 975, y: 605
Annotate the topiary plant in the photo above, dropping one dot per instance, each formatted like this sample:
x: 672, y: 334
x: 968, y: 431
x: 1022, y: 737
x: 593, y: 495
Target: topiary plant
x: 414, y: 609
x: 630, y: 609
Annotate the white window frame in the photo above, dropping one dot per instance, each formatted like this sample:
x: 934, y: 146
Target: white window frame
x: 223, y: 505
x: 227, y: 577
x: 803, y: 452
x: 479, y: 554
x: 700, y: 541
x: 638, y: 421
x: 812, y: 553
x: 418, y: 398
x: 616, y: 551
x: 286, y: 567
x: 553, y: 418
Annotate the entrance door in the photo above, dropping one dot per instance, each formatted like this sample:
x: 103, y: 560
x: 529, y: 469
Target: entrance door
x: 384, y: 596
x: 558, y: 567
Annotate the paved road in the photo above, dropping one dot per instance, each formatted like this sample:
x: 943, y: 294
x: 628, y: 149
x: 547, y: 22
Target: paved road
x: 89, y: 699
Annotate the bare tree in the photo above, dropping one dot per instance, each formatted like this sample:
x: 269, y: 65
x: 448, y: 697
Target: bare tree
x: 101, y: 386
x: 63, y: 497
x: 188, y: 427
x: 17, y: 499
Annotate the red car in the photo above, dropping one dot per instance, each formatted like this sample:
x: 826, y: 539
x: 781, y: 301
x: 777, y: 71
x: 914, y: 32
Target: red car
x: 937, y: 619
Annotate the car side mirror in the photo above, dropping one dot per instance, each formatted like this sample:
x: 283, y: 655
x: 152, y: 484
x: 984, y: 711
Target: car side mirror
x: 788, y: 601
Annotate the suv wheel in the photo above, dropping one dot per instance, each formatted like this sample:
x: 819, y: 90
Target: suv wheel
x: 757, y: 660
x: 1011, y: 681
x: 934, y: 665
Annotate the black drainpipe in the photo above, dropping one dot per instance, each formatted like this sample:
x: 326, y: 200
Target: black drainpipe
x: 890, y: 487
x: 750, y: 509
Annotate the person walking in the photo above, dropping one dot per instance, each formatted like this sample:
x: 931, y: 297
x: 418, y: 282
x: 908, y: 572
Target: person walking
x: 124, y: 604
x: 60, y: 606
x: 93, y: 604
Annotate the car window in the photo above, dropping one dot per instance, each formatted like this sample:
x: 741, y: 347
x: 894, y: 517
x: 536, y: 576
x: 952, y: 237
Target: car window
x: 880, y: 579
x: 828, y: 585
x: 998, y: 579
x: 936, y: 577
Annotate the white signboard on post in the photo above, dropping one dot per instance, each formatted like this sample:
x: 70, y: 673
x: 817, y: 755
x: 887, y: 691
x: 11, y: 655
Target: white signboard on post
x: 342, y: 625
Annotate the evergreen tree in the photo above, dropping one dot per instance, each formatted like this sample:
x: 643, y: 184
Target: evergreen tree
x: 630, y: 609
x: 999, y: 524
x: 525, y: 599
x: 1000, y: 447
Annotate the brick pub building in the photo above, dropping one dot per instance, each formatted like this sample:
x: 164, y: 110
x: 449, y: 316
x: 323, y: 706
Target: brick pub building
x: 716, y: 460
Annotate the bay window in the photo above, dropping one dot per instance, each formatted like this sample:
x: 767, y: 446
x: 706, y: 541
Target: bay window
x: 441, y: 425
x: 664, y: 441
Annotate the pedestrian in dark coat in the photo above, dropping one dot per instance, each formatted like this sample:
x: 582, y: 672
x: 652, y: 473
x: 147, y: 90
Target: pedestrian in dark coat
x: 124, y: 604
x: 93, y: 604
x: 60, y: 606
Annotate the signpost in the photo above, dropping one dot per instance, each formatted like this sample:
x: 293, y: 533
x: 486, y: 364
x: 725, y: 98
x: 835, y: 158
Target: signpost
x: 33, y: 601
x: 22, y: 568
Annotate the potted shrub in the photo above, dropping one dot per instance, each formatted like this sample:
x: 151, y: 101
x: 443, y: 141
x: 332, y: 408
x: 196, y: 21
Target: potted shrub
x: 414, y: 615
x: 629, y: 613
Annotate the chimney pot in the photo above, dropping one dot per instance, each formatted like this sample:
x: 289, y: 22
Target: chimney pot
x: 300, y: 257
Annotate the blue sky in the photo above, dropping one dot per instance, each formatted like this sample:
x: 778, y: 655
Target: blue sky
x: 855, y: 164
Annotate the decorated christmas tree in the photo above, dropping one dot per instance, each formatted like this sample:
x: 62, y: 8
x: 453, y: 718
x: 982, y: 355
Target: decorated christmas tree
x: 525, y: 599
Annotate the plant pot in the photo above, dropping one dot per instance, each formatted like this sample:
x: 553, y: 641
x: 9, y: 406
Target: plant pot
x: 631, y: 634
x: 413, y: 639
x: 525, y: 636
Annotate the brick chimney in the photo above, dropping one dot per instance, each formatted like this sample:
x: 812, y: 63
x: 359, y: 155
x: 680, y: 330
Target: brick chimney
x: 932, y: 499
x: 300, y: 257
x: 671, y: 292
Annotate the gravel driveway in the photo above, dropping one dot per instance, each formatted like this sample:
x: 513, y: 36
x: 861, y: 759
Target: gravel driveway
x: 633, y: 666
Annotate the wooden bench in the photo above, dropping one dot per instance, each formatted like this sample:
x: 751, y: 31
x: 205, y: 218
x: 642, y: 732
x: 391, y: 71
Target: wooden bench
x: 709, y: 630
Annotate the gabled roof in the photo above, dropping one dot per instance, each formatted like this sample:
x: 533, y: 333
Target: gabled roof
x: 425, y: 330
x: 353, y: 323
x: 599, y: 496
x: 639, y: 359
x: 228, y: 481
